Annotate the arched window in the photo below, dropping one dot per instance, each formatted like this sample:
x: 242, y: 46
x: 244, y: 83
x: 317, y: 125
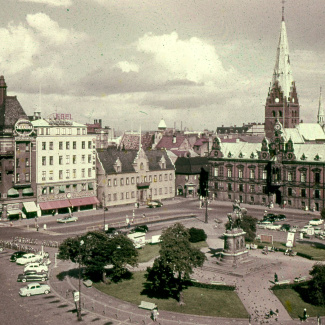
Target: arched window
x: 273, y: 113
x: 280, y: 114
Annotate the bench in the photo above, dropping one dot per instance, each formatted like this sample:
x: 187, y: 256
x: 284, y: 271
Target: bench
x: 218, y: 283
x: 300, y: 279
x: 88, y: 283
x: 147, y: 305
x: 282, y: 282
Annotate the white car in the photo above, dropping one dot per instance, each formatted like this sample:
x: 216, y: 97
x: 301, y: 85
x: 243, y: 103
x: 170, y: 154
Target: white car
x: 34, y: 289
x: 264, y: 224
x: 29, y: 258
x: 274, y: 227
x: 316, y: 222
x: 305, y: 228
x: 39, y: 268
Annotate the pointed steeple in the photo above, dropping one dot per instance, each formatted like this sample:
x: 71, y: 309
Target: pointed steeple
x: 282, y: 69
x: 320, y: 115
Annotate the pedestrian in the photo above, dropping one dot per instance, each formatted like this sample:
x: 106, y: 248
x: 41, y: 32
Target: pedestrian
x: 275, y: 277
x: 53, y: 213
x: 305, y: 314
x: 133, y: 214
x: 132, y: 220
x: 37, y: 226
x: 155, y: 314
x: 11, y: 224
x: 143, y: 216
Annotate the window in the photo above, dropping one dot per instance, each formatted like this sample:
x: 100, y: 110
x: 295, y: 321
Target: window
x: 83, y: 157
x: 303, y: 192
x: 132, y: 195
x: 67, y: 174
x: 240, y: 173
x: 137, y: 179
x: 17, y: 177
x: 141, y: 166
x: 51, y: 175
x: 67, y: 159
x: 166, y: 190
x: 43, y: 175
x: 89, y: 158
x: 63, y: 131
x: 44, y: 190
x: 127, y: 181
x: 74, y: 145
x: 303, y: 177
x: 47, y: 131
x: 83, y: 145
x: 122, y: 181
x: 317, y: 177
x: 229, y: 172
x: 252, y: 174
x: 289, y: 176
x: 264, y: 174
x: 115, y: 182
x: 17, y: 162
x: 89, y: 144
x: 150, y: 178
x: 78, y: 131
x: 51, y: 190
x: 43, y: 145
x: 216, y: 185
x: 145, y: 178
x: 74, y: 173
x: 122, y: 196
x: 166, y: 177
x: 229, y: 187
x: 170, y: 190
x: 170, y: 177
x: 60, y: 160
x: 115, y: 197
x: 109, y: 197
x: 27, y: 147
x: 27, y: 177
x: 317, y: 194
x: 215, y: 172
x: 17, y: 146
x: 57, y: 131
x: 83, y: 186
x: 43, y: 161
x: 83, y: 131
x: 60, y: 145
x: 109, y: 183
x: 83, y: 172
x: 252, y: 188
x: 127, y: 195
x: 155, y: 178
x: 264, y: 189
x: 51, y: 145
x: 51, y: 160
x: 75, y: 187
x: 132, y: 180
x: 89, y: 172
x: 74, y: 159
x: 0, y: 177
x: 160, y: 191
x: 160, y: 178
x: 241, y: 188
x: 60, y: 174
x: 221, y: 171
x: 289, y: 191
x: 155, y: 191
x: 69, y: 131
x: 67, y: 145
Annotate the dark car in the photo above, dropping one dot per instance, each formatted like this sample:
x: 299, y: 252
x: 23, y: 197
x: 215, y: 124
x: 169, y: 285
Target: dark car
x: 281, y: 217
x: 141, y: 228
x: 32, y: 276
x: 154, y: 204
x: 16, y: 255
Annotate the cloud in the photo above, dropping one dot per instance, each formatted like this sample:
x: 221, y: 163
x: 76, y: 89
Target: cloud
x: 53, y: 3
x: 126, y: 66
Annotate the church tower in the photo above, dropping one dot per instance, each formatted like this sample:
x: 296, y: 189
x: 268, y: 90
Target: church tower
x: 282, y: 100
x: 320, y: 115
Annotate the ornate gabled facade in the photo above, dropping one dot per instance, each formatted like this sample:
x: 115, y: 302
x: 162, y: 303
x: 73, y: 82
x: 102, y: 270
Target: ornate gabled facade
x: 276, y: 170
x: 282, y: 100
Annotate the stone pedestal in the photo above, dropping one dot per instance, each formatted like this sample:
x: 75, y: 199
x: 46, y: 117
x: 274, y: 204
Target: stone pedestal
x: 234, y: 251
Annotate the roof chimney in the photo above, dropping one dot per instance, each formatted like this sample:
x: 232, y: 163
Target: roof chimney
x: 174, y: 138
x: 100, y: 122
x: 3, y: 90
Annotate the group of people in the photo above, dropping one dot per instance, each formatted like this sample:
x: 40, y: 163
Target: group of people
x: 129, y: 222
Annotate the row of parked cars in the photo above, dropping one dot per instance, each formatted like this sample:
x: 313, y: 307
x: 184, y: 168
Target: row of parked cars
x: 35, y: 269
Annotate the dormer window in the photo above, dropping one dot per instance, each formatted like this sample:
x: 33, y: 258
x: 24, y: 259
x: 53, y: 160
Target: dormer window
x: 118, y: 166
x: 142, y: 166
x: 162, y: 163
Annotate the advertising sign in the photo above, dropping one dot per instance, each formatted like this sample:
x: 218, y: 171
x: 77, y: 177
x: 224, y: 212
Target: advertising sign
x: 76, y: 296
x: 24, y: 128
x: 267, y: 239
x: 290, y: 239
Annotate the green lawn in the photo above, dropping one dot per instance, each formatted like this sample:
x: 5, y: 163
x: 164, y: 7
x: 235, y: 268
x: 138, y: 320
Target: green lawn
x: 295, y: 305
x: 318, y: 254
x: 198, y: 301
x: 148, y: 252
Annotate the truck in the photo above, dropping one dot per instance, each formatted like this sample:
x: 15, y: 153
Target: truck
x: 138, y: 238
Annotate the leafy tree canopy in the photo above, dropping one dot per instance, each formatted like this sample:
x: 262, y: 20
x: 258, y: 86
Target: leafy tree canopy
x: 317, y: 284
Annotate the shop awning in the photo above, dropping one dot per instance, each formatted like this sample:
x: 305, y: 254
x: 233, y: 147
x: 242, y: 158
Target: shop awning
x: 50, y: 205
x: 28, y: 191
x: 84, y: 201
x: 13, y: 211
x: 143, y: 185
x: 30, y: 206
x: 13, y: 192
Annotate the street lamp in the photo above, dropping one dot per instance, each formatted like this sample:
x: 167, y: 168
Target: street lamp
x: 105, y: 209
x: 79, y: 260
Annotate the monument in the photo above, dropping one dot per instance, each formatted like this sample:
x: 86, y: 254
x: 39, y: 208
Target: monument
x: 234, y: 251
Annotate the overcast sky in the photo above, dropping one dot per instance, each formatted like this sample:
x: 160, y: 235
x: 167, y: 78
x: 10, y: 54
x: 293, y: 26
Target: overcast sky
x: 204, y: 63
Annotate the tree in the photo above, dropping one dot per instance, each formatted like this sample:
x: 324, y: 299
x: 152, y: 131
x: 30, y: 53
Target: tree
x: 197, y: 235
x: 177, y: 257
x: 204, y: 179
x: 248, y: 224
x: 317, y: 284
x: 95, y: 250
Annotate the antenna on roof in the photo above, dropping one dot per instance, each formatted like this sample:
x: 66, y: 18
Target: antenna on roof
x: 283, y: 1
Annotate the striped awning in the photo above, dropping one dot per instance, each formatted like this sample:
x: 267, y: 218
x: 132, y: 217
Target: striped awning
x: 30, y: 206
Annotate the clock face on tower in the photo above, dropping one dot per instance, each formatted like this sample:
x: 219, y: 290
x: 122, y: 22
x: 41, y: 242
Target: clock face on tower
x: 277, y: 127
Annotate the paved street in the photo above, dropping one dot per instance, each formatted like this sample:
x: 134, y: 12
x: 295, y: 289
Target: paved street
x: 58, y: 307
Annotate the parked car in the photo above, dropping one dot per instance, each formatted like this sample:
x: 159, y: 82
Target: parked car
x: 305, y: 228
x: 32, y: 276
x: 285, y: 227
x: 34, y: 289
x: 316, y: 222
x: 67, y: 219
x: 141, y: 228
x: 40, y: 268
x: 29, y: 258
x: 319, y: 231
x: 263, y: 224
x: 154, y: 204
x: 16, y: 255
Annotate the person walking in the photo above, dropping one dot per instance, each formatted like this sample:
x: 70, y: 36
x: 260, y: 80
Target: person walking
x: 37, y: 226
x: 305, y: 314
x: 275, y: 277
x: 155, y: 314
x: 143, y: 216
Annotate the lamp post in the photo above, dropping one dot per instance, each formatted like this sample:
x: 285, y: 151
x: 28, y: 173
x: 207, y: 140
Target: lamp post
x: 105, y: 209
x: 79, y: 259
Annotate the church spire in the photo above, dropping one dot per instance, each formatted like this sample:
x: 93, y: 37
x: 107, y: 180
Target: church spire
x: 282, y: 69
x: 320, y: 115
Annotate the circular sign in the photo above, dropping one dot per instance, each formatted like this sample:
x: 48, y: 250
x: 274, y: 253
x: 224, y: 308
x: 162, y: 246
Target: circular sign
x: 24, y: 128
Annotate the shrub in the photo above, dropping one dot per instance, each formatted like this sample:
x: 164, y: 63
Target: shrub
x: 197, y: 235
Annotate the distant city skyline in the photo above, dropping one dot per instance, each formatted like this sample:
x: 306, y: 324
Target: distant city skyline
x: 200, y: 63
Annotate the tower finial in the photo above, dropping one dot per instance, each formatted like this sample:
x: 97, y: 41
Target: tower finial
x: 283, y: 1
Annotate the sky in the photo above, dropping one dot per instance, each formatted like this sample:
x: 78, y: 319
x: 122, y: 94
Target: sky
x: 198, y: 64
